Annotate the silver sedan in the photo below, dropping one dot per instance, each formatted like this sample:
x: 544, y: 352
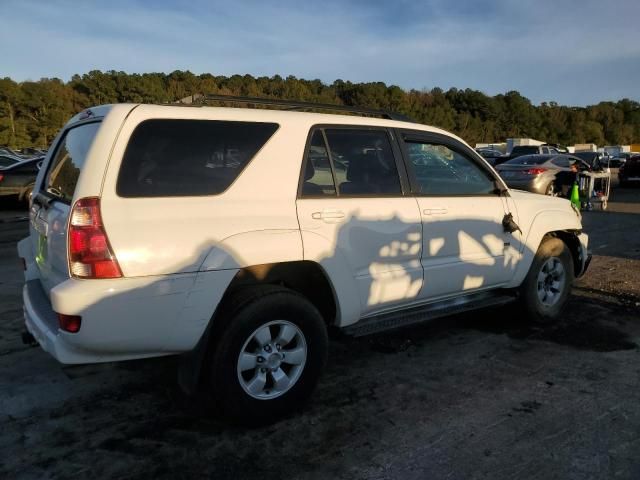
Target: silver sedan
x: 546, y: 174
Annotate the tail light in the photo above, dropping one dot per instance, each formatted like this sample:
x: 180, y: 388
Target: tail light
x: 90, y: 255
x: 69, y: 323
x: 535, y: 171
x: 1, y: 177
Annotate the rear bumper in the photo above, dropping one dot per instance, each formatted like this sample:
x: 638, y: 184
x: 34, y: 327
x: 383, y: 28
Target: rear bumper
x: 125, y: 318
x: 536, y: 185
x: 42, y: 322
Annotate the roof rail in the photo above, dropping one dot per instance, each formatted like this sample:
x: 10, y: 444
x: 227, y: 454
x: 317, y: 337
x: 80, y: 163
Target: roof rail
x: 293, y: 105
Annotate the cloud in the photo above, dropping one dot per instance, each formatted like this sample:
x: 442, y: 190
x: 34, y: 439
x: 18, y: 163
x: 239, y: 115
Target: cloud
x: 543, y: 48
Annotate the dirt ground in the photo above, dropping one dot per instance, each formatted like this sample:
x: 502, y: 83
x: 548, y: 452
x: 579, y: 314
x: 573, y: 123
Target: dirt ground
x: 469, y: 397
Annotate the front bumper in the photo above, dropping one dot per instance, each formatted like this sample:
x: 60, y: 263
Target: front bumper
x: 585, y: 254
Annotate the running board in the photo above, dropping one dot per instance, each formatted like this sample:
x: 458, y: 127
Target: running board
x: 425, y: 313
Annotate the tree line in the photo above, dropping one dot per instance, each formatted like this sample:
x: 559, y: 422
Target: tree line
x: 31, y: 113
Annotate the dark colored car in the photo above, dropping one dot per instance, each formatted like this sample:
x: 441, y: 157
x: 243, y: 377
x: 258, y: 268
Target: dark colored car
x: 547, y: 174
x: 16, y: 181
x: 596, y: 160
x: 8, y: 160
x: 629, y: 172
x: 490, y: 154
x: 520, y: 150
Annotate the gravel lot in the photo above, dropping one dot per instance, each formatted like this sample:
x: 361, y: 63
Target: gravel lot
x: 473, y: 396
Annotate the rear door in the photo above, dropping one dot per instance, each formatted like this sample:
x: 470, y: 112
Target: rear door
x: 52, y: 203
x: 356, y: 220
x: 464, y: 246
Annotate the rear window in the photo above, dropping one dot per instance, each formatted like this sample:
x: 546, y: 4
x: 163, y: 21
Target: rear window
x: 523, y: 150
x: 527, y: 160
x: 173, y: 158
x: 68, y: 160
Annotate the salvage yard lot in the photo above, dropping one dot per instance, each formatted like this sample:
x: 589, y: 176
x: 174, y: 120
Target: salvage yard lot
x: 471, y: 396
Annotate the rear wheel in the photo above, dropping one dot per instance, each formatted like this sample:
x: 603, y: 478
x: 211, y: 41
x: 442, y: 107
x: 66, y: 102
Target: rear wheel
x: 268, y: 355
x: 550, y: 190
x: 546, y: 288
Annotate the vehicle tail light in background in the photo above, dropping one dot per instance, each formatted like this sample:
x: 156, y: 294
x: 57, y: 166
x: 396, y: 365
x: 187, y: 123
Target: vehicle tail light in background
x: 90, y: 255
x: 1, y: 177
x: 69, y: 323
x: 535, y: 171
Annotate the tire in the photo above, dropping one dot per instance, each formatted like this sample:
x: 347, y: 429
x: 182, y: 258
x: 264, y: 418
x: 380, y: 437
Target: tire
x: 552, y: 267
x: 549, y: 190
x: 246, y: 391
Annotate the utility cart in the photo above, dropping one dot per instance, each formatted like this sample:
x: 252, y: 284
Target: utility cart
x: 594, y: 189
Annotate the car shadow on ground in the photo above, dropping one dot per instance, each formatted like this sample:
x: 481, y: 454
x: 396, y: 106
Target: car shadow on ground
x: 579, y: 327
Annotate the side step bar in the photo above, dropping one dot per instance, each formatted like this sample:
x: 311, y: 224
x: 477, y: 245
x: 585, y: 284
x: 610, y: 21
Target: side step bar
x: 425, y: 313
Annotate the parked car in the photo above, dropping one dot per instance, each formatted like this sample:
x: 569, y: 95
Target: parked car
x: 8, y: 160
x: 145, y: 241
x: 617, y: 162
x: 596, y: 160
x: 16, y: 181
x: 8, y: 151
x: 520, y: 150
x: 490, y: 155
x: 541, y: 173
x: 629, y: 172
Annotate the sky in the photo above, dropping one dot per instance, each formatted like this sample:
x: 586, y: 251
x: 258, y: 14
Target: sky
x: 574, y: 52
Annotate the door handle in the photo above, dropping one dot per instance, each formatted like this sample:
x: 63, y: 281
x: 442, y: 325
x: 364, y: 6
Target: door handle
x: 329, y: 216
x: 435, y: 211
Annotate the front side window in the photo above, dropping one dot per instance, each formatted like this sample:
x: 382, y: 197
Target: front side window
x: 363, y: 162
x: 439, y: 170
x: 173, y: 158
x: 67, y: 163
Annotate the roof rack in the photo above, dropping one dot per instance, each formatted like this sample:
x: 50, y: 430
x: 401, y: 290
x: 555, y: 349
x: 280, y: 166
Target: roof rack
x: 293, y: 105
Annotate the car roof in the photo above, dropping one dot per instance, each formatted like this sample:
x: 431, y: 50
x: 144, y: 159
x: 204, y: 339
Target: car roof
x: 197, y: 112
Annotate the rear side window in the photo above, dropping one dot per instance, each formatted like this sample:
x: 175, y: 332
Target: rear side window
x: 318, y: 178
x: 561, y: 162
x: 68, y: 160
x: 363, y: 162
x: 173, y: 158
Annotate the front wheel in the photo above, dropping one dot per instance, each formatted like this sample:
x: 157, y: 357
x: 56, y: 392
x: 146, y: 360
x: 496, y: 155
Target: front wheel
x: 268, y: 357
x: 546, y: 288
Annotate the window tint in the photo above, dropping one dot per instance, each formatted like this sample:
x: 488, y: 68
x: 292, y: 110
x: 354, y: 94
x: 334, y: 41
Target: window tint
x: 171, y: 158
x: 27, y: 166
x: 527, y: 160
x: 363, y: 161
x: 7, y: 161
x: 70, y: 156
x: 561, y: 162
x: 441, y: 171
x: 318, y: 179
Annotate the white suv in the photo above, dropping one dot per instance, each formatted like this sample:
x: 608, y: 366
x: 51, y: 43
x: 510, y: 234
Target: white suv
x: 237, y: 236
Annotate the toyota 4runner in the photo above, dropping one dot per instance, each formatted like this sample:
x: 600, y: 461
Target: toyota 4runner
x: 237, y: 236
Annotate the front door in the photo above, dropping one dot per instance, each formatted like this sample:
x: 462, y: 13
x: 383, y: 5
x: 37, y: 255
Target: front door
x: 464, y: 247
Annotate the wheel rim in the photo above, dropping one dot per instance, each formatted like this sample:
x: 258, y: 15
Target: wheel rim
x: 551, y: 281
x: 272, y: 360
x: 550, y: 191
